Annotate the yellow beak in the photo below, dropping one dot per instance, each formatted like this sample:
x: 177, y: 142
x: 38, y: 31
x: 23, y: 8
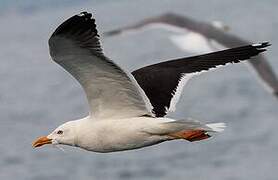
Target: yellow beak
x: 41, y: 141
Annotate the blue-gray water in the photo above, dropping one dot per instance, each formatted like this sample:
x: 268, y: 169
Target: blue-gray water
x: 37, y: 95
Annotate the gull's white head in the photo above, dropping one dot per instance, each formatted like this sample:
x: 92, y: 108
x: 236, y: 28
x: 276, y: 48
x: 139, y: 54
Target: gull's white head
x: 65, y: 134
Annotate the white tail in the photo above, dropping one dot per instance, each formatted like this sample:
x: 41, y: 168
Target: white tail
x: 216, y: 127
x: 193, y: 130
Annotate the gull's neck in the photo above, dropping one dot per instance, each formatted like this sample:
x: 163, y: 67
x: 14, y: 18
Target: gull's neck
x: 79, y: 124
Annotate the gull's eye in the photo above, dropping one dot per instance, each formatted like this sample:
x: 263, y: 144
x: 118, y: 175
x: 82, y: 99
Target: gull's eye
x: 60, y: 132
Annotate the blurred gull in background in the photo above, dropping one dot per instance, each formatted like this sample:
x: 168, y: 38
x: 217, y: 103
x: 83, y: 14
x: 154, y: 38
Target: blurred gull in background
x: 200, y: 37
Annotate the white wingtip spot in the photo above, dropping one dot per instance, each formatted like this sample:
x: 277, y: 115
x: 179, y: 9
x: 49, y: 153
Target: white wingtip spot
x: 261, y: 45
x: 81, y: 14
x: 257, y: 44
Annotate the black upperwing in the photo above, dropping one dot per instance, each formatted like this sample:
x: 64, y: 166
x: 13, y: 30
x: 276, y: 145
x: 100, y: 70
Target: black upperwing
x: 160, y: 81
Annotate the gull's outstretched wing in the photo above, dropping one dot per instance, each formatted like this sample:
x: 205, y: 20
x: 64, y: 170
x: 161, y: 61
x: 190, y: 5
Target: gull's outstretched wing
x: 111, y: 93
x: 211, y: 33
x: 167, y: 21
x: 163, y: 82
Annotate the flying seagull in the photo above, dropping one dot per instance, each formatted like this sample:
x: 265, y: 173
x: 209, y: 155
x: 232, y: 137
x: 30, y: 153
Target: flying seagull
x: 123, y: 115
x: 201, y: 37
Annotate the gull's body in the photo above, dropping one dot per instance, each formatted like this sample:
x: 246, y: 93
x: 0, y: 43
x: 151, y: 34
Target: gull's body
x: 131, y: 133
x: 199, y: 37
x: 127, y: 112
x: 110, y: 135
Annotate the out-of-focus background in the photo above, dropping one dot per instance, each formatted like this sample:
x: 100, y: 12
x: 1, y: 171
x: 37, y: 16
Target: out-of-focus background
x: 36, y: 95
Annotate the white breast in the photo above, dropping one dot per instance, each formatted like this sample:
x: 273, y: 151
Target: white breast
x: 117, y: 135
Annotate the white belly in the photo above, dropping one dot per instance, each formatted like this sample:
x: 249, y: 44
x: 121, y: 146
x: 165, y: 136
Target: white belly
x: 119, y: 135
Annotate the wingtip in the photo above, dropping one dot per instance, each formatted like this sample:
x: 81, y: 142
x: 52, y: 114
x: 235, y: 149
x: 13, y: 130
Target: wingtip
x: 112, y: 33
x: 261, y: 45
x: 78, y: 23
x: 275, y: 94
x: 85, y: 14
